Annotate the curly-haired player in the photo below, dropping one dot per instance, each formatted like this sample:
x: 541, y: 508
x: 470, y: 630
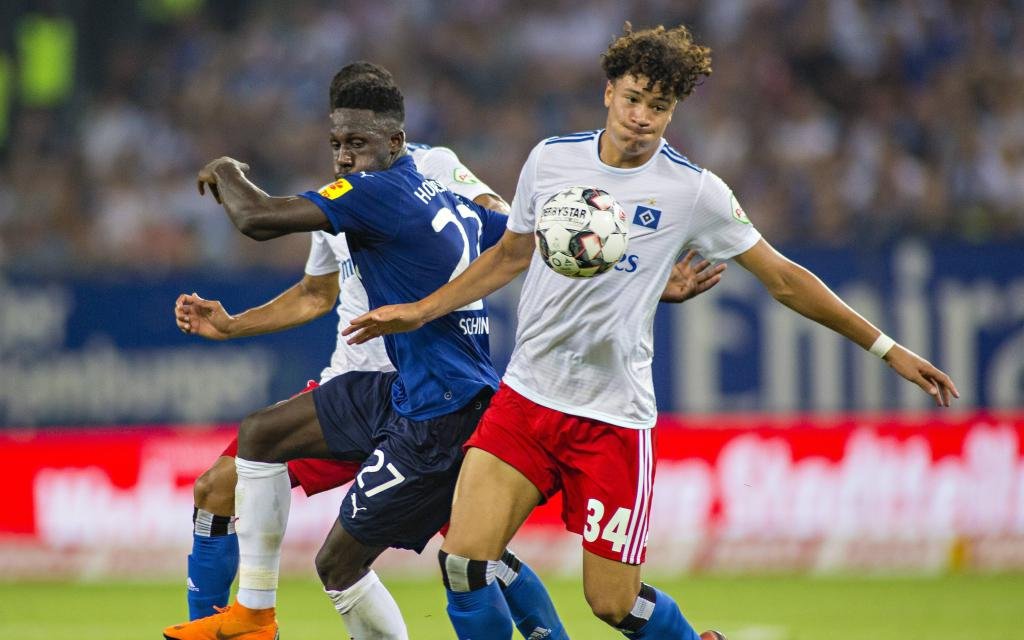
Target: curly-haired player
x: 575, y: 411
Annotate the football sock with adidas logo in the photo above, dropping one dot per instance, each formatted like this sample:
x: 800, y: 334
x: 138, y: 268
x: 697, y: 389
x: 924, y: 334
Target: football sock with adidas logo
x: 532, y: 610
x: 213, y: 563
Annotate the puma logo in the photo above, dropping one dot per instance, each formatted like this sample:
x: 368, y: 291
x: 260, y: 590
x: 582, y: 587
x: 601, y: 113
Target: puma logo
x: 355, y: 507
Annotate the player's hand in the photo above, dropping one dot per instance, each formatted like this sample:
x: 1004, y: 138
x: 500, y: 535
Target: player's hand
x: 395, y: 318
x: 208, y: 177
x: 206, y: 318
x: 688, y: 280
x: 922, y: 373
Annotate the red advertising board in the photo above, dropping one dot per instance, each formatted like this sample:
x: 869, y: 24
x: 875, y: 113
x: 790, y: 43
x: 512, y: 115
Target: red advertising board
x: 732, y: 492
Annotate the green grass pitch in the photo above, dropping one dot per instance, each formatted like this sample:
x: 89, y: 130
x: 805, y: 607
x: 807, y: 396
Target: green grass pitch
x: 745, y: 608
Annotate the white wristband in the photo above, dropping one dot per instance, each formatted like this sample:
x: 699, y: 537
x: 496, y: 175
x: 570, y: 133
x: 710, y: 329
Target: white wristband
x: 881, y: 345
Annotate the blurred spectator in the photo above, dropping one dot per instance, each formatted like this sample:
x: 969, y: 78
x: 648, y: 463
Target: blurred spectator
x: 837, y: 122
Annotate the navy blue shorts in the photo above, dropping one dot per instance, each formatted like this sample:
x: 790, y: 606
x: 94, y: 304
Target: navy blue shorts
x: 403, y: 492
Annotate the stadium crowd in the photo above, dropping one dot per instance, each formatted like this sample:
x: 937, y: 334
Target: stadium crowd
x: 837, y: 122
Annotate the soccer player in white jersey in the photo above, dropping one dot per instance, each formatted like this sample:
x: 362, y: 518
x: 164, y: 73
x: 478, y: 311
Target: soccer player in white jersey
x: 576, y: 410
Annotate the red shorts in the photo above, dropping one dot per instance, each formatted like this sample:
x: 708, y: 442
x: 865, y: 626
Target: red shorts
x: 606, y: 473
x: 313, y: 475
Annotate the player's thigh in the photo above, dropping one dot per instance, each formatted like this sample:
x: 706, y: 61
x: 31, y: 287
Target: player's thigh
x: 610, y: 587
x: 492, y: 499
x: 608, y: 479
x: 343, y: 560
x: 353, y: 409
x: 214, y: 490
x: 285, y: 431
x: 403, y: 493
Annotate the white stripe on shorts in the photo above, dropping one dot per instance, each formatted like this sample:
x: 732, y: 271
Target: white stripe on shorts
x: 640, y: 517
x: 645, y: 524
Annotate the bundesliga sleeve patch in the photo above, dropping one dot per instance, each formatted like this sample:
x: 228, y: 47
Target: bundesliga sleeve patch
x: 463, y: 175
x: 336, y: 189
x: 737, y: 210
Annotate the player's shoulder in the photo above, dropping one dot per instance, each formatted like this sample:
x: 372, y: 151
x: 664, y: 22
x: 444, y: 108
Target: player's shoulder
x: 671, y: 156
x: 571, y: 138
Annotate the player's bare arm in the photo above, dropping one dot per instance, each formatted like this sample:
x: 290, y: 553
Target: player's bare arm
x: 494, y: 202
x: 252, y: 211
x: 802, y: 291
x: 495, y: 268
x: 306, y: 300
x: 688, y: 280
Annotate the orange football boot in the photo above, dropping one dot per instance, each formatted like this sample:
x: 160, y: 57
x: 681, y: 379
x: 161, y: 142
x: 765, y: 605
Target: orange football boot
x: 234, y: 622
x: 712, y: 635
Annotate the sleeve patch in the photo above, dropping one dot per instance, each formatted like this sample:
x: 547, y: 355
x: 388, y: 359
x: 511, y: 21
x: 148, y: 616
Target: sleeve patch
x: 737, y: 210
x: 336, y: 189
x: 463, y: 175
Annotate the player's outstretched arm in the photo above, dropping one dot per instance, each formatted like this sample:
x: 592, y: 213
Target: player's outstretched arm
x: 688, y: 280
x: 307, y: 300
x: 802, y: 291
x: 252, y: 211
x: 495, y: 268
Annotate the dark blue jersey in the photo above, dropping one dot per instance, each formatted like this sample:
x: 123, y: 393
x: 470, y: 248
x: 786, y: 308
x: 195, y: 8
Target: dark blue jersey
x: 409, y: 236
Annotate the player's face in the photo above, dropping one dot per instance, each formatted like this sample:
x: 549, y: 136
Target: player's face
x: 637, y: 118
x: 362, y: 141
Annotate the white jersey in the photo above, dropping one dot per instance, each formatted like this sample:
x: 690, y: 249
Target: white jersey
x: 584, y: 347
x: 329, y: 253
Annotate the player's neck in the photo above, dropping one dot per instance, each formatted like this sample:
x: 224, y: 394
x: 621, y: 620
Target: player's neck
x: 613, y: 156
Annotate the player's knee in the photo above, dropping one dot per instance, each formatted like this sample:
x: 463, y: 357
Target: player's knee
x: 257, y: 436
x: 214, y: 490
x: 334, y: 572
x: 611, y: 607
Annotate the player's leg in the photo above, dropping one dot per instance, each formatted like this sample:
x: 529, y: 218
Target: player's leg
x: 269, y: 437
x: 609, y: 504
x: 213, y: 563
x: 617, y: 596
x: 367, y: 607
x: 492, y: 499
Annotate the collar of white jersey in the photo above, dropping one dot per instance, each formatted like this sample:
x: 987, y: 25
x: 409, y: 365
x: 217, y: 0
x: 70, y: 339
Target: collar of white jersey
x: 617, y: 170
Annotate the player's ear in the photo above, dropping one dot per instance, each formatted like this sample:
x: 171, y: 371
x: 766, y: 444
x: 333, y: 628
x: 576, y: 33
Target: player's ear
x: 608, y: 90
x: 396, y: 142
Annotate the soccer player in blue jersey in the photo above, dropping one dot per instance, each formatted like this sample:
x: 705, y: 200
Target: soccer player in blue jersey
x: 407, y: 235
x: 330, y: 280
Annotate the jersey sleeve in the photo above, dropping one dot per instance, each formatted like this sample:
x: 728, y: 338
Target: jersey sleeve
x: 321, y: 260
x: 720, y: 228
x: 361, y: 205
x: 441, y: 164
x: 524, y: 215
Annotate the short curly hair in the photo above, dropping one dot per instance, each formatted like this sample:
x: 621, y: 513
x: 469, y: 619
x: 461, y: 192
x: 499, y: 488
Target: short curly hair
x: 668, y: 58
x: 374, y: 93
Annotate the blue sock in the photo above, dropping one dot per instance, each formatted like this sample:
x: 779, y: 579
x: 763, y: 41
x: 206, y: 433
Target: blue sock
x: 528, y: 600
x: 212, y: 565
x: 481, y: 614
x: 656, y: 615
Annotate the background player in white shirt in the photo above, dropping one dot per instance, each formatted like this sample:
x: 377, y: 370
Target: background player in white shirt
x: 576, y: 409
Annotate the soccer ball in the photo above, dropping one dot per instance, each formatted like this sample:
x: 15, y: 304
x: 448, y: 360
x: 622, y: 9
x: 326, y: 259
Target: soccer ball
x: 581, y: 232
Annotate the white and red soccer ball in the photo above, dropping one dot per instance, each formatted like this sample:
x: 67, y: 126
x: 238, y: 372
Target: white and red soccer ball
x: 581, y: 232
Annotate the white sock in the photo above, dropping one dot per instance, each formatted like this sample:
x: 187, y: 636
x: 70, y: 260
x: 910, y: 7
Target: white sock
x: 369, y: 611
x: 262, y: 499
